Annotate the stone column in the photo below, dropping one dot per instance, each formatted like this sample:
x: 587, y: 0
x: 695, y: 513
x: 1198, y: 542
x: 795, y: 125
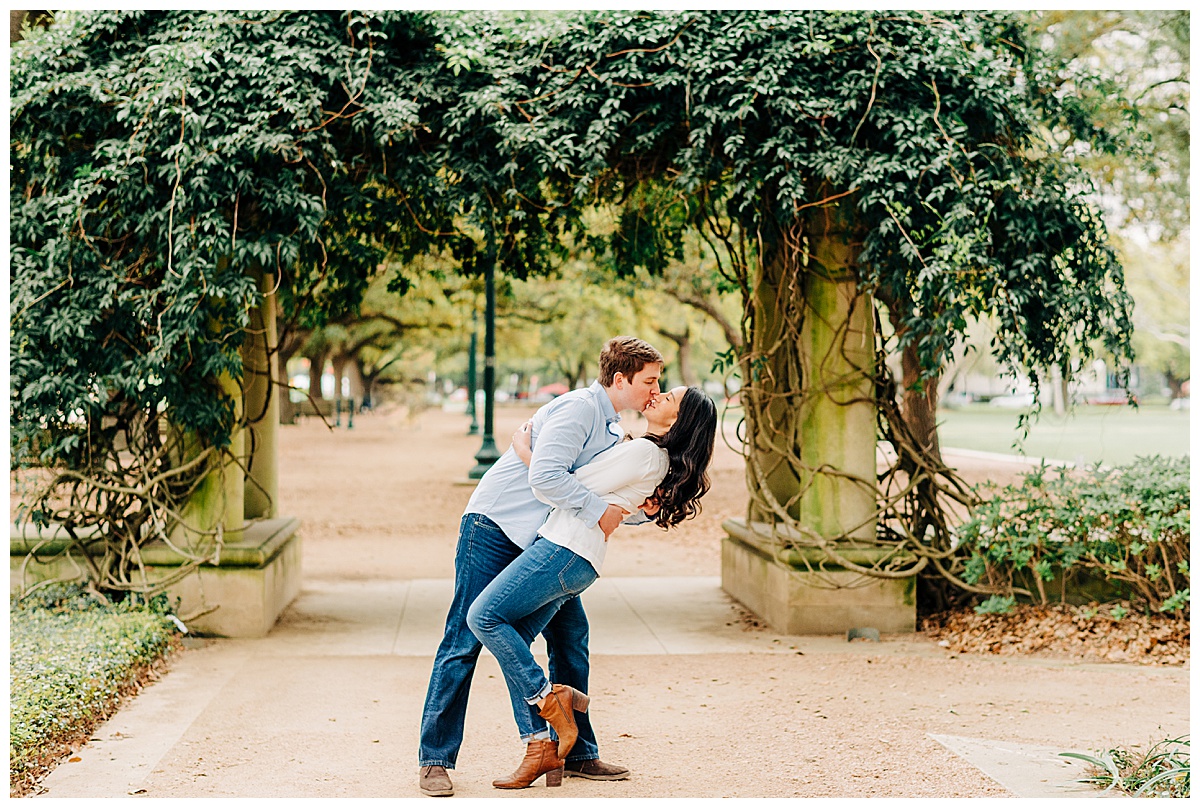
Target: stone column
x: 837, y: 418
x: 811, y: 432
x: 262, y: 393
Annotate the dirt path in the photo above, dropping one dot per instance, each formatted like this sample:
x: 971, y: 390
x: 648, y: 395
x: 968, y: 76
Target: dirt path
x: 381, y: 489
x: 375, y: 504
x: 329, y: 704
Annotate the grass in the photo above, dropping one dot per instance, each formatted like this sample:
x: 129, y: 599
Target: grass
x: 1089, y: 434
x: 71, y: 661
x: 1165, y: 770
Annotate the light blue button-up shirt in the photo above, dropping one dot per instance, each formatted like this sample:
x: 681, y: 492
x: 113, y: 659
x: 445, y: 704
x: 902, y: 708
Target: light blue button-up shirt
x: 567, y: 433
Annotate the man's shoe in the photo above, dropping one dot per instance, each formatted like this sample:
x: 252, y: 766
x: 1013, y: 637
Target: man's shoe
x: 595, y: 770
x: 435, y: 781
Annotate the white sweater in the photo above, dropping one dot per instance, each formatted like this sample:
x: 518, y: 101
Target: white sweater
x: 624, y: 475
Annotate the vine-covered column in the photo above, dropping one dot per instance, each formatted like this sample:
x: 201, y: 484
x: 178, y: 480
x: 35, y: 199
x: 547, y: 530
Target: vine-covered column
x: 217, y: 503
x: 809, y: 404
x: 260, y: 359
x: 837, y: 412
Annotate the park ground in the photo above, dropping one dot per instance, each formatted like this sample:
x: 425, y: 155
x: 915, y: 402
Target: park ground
x: 307, y: 713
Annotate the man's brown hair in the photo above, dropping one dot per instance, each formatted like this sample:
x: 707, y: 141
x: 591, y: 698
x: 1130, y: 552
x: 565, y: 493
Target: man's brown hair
x: 627, y: 356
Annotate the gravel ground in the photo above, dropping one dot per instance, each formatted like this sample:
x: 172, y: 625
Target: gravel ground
x: 813, y: 723
x: 806, y: 717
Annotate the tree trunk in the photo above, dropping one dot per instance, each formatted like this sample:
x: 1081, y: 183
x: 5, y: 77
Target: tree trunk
x: 16, y: 18
x: 316, y: 368
x: 575, y: 375
x: 1175, y: 384
x: 367, y: 381
x: 354, y: 380
x: 687, y: 369
x: 918, y: 402
x: 290, y: 343
x: 1060, y: 391
x: 338, y: 361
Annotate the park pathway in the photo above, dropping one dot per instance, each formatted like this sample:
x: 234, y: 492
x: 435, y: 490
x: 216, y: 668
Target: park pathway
x: 328, y: 705
x: 687, y: 690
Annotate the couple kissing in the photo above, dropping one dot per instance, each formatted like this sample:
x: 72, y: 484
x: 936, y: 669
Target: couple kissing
x: 533, y: 537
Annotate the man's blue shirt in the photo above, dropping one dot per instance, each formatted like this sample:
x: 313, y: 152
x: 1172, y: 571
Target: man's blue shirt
x: 567, y: 433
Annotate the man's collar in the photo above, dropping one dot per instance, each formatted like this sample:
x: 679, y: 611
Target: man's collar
x: 611, y: 416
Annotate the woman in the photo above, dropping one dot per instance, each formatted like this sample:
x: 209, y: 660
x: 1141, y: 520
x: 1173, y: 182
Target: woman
x: 664, y: 474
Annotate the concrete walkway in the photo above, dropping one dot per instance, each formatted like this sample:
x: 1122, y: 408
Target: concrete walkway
x: 329, y: 703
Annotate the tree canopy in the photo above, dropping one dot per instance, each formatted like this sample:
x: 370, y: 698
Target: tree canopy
x: 162, y: 159
x: 158, y: 154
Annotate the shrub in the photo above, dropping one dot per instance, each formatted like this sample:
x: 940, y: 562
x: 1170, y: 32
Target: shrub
x: 1128, y: 526
x: 71, y: 659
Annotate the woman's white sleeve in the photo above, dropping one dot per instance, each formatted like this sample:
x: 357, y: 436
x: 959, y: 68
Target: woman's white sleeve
x: 626, y: 472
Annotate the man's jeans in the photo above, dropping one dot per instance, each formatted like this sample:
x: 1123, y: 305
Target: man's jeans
x: 483, y: 553
x: 517, y: 605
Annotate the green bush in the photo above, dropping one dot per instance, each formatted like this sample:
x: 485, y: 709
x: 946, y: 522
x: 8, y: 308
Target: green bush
x: 71, y: 659
x: 1126, y: 526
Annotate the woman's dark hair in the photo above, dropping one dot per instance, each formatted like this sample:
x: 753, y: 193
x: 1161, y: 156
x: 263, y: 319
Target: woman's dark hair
x: 689, y: 444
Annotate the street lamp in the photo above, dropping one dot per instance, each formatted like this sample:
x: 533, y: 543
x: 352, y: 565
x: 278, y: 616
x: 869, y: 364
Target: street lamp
x: 488, y: 454
x: 474, y: 430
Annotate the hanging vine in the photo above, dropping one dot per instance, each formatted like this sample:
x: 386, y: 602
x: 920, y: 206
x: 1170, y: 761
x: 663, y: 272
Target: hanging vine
x: 160, y: 159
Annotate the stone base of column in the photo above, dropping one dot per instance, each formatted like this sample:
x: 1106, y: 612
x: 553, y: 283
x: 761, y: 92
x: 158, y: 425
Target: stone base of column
x: 257, y: 577
x: 793, y: 599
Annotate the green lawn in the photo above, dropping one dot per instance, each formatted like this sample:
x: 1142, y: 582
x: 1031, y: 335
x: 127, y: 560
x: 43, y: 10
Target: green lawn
x: 1089, y: 434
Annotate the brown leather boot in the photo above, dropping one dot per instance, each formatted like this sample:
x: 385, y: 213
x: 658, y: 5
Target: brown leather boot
x: 558, y: 708
x: 540, y: 758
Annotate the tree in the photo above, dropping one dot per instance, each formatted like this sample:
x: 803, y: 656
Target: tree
x: 833, y: 159
x: 840, y: 158
x: 169, y: 171
x: 1143, y: 59
x: 1159, y: 280
x: 1130, y: 69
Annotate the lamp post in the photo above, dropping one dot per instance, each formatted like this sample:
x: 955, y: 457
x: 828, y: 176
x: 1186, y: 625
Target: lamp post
x: 471, y: 381
x: 488, y: 454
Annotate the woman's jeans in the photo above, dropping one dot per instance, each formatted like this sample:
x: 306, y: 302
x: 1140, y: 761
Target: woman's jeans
x: 483, y: 553
x: 514, y: 608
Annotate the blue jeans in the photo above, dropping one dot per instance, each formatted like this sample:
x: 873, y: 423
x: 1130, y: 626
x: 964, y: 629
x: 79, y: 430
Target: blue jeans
x: 483, y: 552
x: 514, y: 608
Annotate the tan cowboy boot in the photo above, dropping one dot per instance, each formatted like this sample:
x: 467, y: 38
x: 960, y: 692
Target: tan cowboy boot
x: 558, y: 708
x: 540, y: 758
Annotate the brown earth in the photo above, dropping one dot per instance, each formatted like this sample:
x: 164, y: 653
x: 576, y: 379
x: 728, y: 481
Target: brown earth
x: 375, y: 503
x: 807, y: 717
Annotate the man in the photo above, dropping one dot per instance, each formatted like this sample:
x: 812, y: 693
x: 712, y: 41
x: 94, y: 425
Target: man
x: 501, y: 520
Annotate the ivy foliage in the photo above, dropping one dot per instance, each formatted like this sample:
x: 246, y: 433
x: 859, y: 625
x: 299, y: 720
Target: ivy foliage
x: 159, y: 160
x: 161, y: 157
x: 937, y: 126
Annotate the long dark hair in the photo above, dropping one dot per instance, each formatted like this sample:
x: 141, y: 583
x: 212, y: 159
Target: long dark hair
x: 689, y: 444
